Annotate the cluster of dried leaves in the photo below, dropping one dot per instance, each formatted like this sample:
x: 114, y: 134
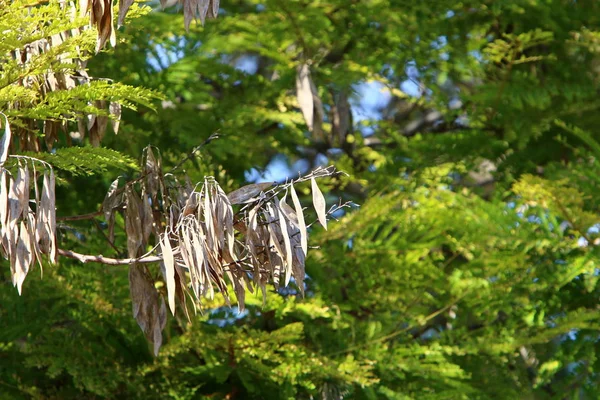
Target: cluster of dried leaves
x: 206, y: 241
x: 209, y: 241
x: 101, y: 15
x: 44, y: 50
x: 25, y: 232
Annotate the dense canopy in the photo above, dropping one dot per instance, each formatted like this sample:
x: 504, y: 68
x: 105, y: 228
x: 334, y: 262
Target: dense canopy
x: 461, y: 205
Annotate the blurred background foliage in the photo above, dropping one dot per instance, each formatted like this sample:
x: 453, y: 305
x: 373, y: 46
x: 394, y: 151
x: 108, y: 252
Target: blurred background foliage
x: 469, y: 269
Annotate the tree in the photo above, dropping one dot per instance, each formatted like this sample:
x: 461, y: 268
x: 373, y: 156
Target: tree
x: 469, y: 270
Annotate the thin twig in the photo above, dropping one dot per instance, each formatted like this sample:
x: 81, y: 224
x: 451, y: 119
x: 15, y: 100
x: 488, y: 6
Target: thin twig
x: 80, y: 217
x: 194, y: 150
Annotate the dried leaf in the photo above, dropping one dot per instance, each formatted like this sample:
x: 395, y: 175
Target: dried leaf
x: 341, y: 118
x: 22, y: 187
x: 102, y: 16
x: 49, y: 190
x: 16, y: 198
x: 319, y: 203
x: 288, y: 246
x: 301, y: 222
x: 133, y: 222
x: 123, y: 8
x: 246, y: 194
x: 5, y: 141
x: 305, y: 95
x: 84, y: 6
x: 23, y: 259
x: 169, y: 263
x: 309, y: 101
x: 148, y: 310
x: 152, y: 170
x: 51, y: 133
x: 112, y: 200
x: 147, y: 218
x: 180, y: 289
x: 4, y: 210
x: 213, y: 10
x: 115, y: 110
x: 193, y: 9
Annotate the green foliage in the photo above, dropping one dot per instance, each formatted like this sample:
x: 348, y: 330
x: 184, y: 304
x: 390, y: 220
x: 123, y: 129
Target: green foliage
x: 469, y: 271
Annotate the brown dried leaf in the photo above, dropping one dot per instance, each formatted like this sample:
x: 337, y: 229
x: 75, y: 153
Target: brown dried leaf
x: 208, y: 218
x: 319, y: 203
x: 288, y: 245
x: 148, y: 310
x: 147, y: 218
x: 49, y: 190
x: 133, y: 222
x: 309, y: 101
x: 301, y: 222
x: 115, y: 110
x: 180, y: 289
x: 152, y: 170
x: 112, y: 200
x: 213, y: 10
x: 193, y: 9
x: 5, y: 141
x: 98, y: 124
x: 34, y: 244
x: 23, y: 259
x: 305, y: 95
x: 15, y: 206
x: 102, y: 17
x: 247, y: 194
x: 4, y: 210
x: 169, y: 263
x: 123, y: 8
x: 342, y: 118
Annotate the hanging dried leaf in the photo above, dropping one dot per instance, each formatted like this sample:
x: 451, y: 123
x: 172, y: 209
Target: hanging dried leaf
x: 98, y: 124
x: 50, y: 194
x: 102, y: 17
x: 288, y: 245
x: 51, y: 133
x: 193, y: 9
x: 301, y: 222
x: 213, y: 10
x: 112, y: 200
x: 133, y: 222
x: 17, y: 201
x: 147, y: 218
x: 123, y: 8
x: 319, y: 203
x: 23, y: 259
x: 341, y: 118
x: 5, y: 141
x: 248, y: 193
x: 4, y: 208
x: 169, y: 264
x: 22, y: 188
x: 115, y: 110
x: 149, y: 311
x: 153, y: 174
x: 180, y: 289
x: 309, y: 101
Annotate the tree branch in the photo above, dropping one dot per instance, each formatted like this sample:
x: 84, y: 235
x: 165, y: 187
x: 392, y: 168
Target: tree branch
x: 84, y: 258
